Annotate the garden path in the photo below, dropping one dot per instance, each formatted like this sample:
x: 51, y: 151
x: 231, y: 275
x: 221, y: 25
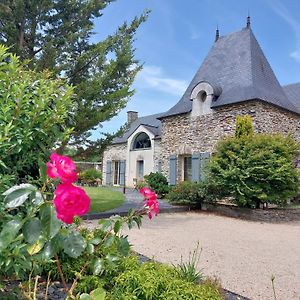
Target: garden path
x: 242, y: 254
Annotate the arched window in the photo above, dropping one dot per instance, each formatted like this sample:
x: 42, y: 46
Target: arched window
x: 142, y: 141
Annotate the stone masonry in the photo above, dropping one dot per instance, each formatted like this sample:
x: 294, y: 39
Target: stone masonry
x: 184, y: 134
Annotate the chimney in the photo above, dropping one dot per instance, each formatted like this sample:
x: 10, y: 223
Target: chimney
x: 131, y: 116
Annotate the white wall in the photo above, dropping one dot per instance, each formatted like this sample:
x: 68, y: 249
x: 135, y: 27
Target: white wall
x: 147, y: 155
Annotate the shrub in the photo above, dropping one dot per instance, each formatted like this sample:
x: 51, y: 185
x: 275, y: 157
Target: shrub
x: 90, y: 176
x: 158, y: 182
x: 34, y: 109
x: 187, y: 193
x: 256, y: 169
x: 153, y: 280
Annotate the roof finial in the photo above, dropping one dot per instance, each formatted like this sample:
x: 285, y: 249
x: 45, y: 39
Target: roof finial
x: 248, y: 21
x: 217, y: 33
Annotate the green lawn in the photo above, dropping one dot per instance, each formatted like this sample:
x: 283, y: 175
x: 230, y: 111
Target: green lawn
x: 104, y: 198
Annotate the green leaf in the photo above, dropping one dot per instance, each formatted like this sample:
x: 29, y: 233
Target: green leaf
x: 9, y: 232
x: 109, y: 241
x: 97, y: 266
x: 117, y: 226
x: 95, y: 241
x: 38, y: 198
x: 17, y: 195
x: 74, y: 244
x: 123, y: 246
x: 32, y: 230
x: 106, y: 225
x: 98, y: 294
x: 52, y: 247
x: 112, y: 258
x: 50, y: 224
x: 90, y: 248
x: 85, y: 296
x: 35, y: 248
x: 42, y: 170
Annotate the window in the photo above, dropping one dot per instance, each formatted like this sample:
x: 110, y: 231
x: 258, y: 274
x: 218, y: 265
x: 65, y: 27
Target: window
x: 142, y: 141
x: 140, y: 169
x: 116, y: 172
x: 187, y: 168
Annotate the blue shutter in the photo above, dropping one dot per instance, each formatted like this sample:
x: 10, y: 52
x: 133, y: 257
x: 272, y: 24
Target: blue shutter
x: 204, y: 159
x: 108, y: 173
x: 196, y: 167
x: 173, y: 170
x: 122, y: 172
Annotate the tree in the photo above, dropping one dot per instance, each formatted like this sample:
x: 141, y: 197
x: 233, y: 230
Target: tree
x: 56, y: 35
x: 244, y: 126
x: 33, y: 114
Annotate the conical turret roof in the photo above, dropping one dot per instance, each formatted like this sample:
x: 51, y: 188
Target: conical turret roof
x: 238, y: 66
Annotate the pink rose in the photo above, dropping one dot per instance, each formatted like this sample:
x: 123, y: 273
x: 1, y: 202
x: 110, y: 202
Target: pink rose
x: 153, y: 207
x: 70, y: 201
x: 61, y: 167
x: 148, y: 193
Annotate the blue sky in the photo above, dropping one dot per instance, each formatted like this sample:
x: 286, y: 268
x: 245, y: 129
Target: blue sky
x: 178, y: 34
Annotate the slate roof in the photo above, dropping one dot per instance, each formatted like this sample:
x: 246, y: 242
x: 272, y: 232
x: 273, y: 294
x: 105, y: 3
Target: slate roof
x: 293, y: 93
x: 237, y: 65
x: 151, y: 122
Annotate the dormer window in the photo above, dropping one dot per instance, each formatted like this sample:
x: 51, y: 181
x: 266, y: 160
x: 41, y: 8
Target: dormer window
x: 142, y: 141
x: 202, y: 96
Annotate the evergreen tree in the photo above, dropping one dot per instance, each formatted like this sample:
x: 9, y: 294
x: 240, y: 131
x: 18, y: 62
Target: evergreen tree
x: 244, y: 126
x: 56, y: 35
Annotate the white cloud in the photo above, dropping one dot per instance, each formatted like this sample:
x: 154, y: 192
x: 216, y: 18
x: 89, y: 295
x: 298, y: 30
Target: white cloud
x: 153, y: 77
x: 296, y: 55
x: 285, y: 14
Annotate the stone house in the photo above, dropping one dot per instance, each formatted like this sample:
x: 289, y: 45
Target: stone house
x: 234, y: 79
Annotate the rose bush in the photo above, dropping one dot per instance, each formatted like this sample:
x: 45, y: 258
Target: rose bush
x: 32, y: 234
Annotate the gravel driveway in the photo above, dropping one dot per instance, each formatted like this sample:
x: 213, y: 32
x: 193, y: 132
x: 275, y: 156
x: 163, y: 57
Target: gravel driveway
x: 242, y: 254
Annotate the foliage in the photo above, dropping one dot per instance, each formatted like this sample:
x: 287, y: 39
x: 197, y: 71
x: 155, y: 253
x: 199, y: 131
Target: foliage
x: 188, y: 193
x: 244, y: 126
x: 188, y: 270
x: 158, y: 182
x: 141, y: 184
x: 57, y: 35
x: 33, y: 116
x: 256, y: 169
x: 153, y: 280
x: 90, y: 176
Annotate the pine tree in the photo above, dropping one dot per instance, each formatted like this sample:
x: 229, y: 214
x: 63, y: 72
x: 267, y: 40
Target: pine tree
x: 56, y: 35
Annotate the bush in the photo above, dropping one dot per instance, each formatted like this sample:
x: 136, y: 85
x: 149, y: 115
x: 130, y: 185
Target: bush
x: 256, y: 169
x: 188, y: 193
x: 90, y: 176
x: 158, y: 183
x: 153, y: 280
x: 34, y: 109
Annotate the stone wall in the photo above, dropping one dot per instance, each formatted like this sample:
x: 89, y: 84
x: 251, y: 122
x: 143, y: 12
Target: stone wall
x: 271, y: 215
x: 113, y: 152
x: 157, y: 154
x: 184, y: 134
